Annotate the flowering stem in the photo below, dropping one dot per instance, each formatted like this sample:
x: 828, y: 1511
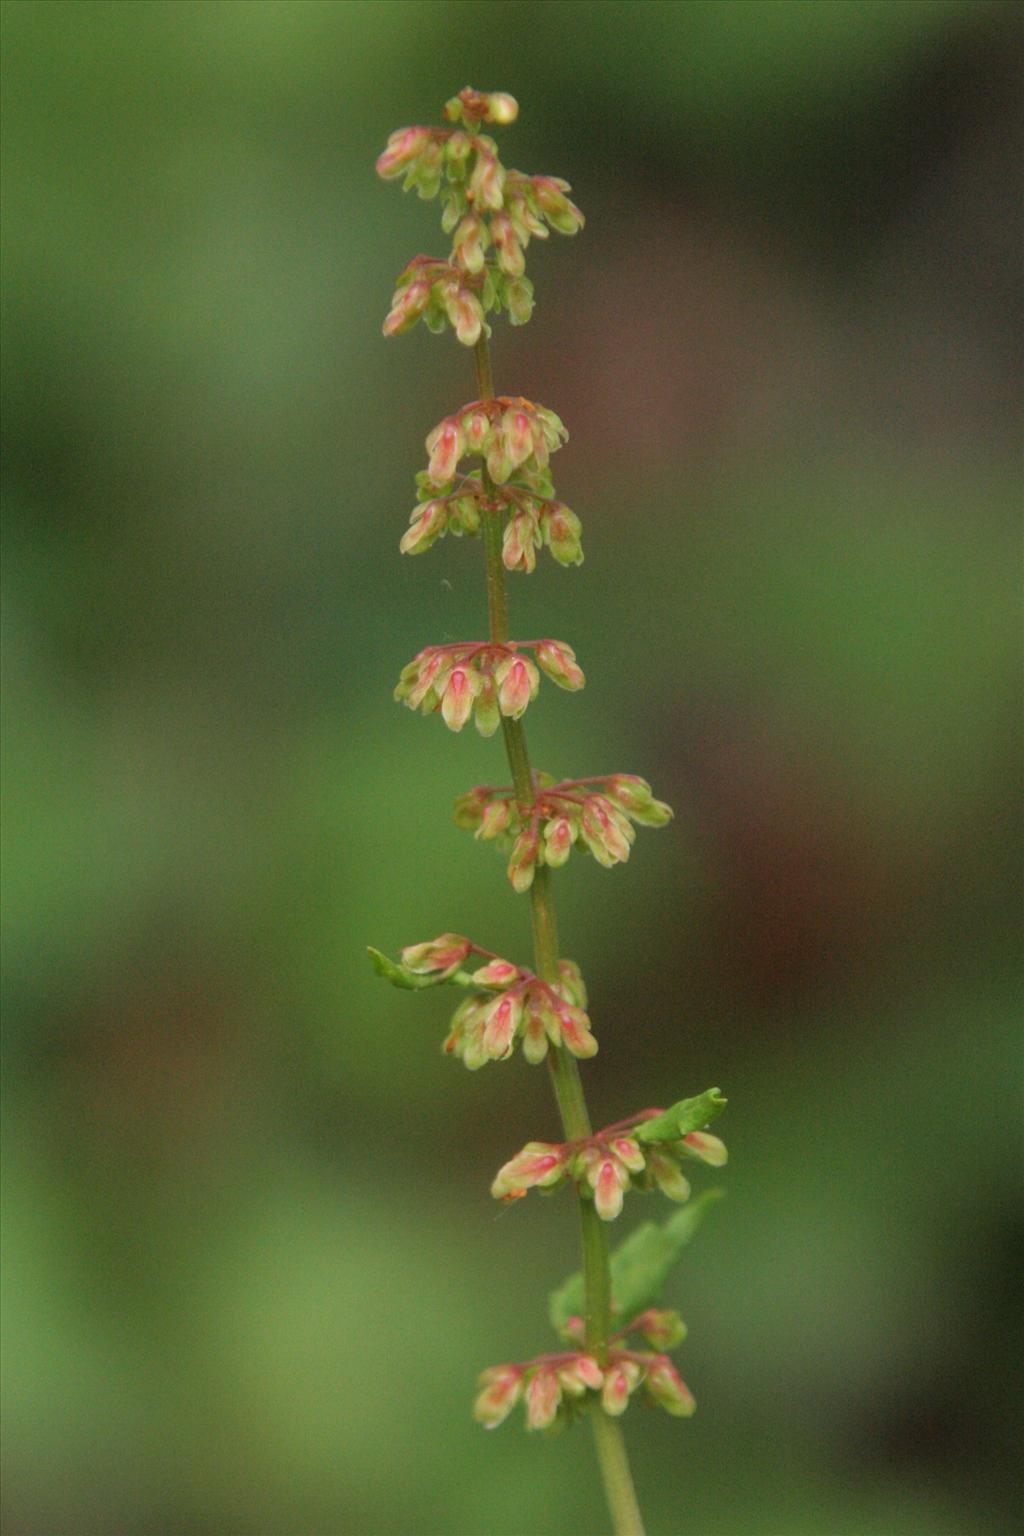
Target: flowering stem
x: 565, y: 1076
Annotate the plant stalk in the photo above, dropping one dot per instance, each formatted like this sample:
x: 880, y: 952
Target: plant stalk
x: 565, y: 1074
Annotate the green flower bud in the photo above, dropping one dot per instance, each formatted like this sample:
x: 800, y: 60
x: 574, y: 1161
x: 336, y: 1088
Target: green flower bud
x: 519, y: 300
x: 524, y: 859
x: 487, y: 716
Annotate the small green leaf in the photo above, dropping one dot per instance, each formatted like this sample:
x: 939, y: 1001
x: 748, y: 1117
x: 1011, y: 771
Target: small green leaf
x: 398, y: 975
x: 686, y: 1116
x: 640, y: 1266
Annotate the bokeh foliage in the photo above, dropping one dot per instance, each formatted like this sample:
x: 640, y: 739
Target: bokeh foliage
x: 251, y: 1266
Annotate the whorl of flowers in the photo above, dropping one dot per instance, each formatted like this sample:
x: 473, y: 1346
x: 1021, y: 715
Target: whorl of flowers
x: 534, y: 518
x: 647, y: 1151
x: 554, y: 1388
x: 594, y: 815
x: 490, y: 212
x: 484, y: 679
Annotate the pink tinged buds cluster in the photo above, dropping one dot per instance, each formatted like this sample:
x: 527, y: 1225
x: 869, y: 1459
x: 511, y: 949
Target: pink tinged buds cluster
x: 484, y: 679
x: 604, y: 1166
x: 534, y: 520
x: 510, y: 434
x: 594, y: 815
x: 515, y: 1006
x: 555, y: 1388
x: 505, y: 1004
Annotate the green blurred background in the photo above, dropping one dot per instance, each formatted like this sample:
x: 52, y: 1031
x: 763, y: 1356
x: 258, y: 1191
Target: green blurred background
x: 251, y: 1266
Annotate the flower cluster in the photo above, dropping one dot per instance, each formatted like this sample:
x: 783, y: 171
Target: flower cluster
x: 511, y: 434
x: 484, y: 679
x: 554, y: 1387
x: 534, y: 520
x: 549, y: 1385
x: 516, y: 1005
x: 486, y: 209
x: 439, y: 293
x: 594, y: 814
x: 605, y: 1165
x: 507, y: 1002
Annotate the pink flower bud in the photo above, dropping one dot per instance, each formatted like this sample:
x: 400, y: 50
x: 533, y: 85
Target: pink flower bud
x: 502, y: 1021
x: 461, y: 689
x: 571, y: 984
x: 615, y: 1392
x: 575, y: 1030
x: 468, y: 243
x: 543, y: 1397
x: 606, y: 831
x: 517, y: 683
x: 404, y: 146
x: 523, y: 859
x: 497, y: 973
x: 465, y: 1036
x: 708, y: 1148
x: 517, y: 435
x: 588, y: 1370
x: 607, y: 1184
x: 540, y: 1165
x: 465, y: 314
x: 558, y: 660
x: 432, y: 671
x: 443, y: 954
x: 668, y: 1388
x: 545, y: 1012
x: 406, y: 307
x: 510, y: 252
x: 487, y: 181
x: 502, y: 1388
x: 494, y: 820
x: 559, y: 836
x: 628, y: 1153
x: 560, y: 213
x: 428, y: 524
x: 446, y: 448
x: 520, y: 543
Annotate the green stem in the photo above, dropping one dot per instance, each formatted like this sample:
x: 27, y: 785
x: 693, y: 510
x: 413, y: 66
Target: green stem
x: 565, y: 1074
x: 618, y: 1481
